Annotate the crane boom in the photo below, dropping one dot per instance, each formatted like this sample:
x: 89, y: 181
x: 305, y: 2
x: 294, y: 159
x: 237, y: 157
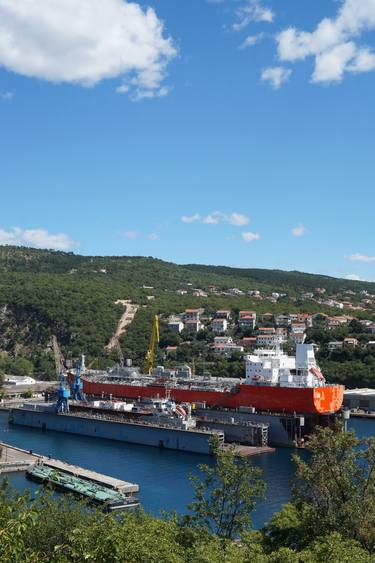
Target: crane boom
x: 154, y: 340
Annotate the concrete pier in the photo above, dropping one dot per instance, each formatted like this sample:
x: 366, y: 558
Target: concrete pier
x: 15, y: 459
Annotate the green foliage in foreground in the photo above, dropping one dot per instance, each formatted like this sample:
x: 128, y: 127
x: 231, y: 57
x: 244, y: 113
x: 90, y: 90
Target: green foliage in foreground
x: 330, y: 517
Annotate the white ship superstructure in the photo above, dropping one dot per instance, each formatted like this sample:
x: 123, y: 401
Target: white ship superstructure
x: 275, y: 368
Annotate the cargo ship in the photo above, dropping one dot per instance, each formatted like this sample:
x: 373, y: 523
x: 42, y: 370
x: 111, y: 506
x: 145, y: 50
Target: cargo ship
x: 274, y: 383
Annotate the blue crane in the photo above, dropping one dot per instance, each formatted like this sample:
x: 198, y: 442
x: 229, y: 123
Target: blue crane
x: 63, y: 393
x: 76, y: 387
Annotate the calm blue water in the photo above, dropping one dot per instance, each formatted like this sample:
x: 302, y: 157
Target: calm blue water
x: 161, y: 474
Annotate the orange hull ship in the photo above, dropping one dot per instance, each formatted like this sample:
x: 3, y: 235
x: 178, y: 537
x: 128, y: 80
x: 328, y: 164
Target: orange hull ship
x: 274, y: 382
x: 315, y: 400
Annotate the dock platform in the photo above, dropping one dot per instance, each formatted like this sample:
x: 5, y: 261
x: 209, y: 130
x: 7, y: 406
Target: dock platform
x: 14, y: 459
x: 250, y: 451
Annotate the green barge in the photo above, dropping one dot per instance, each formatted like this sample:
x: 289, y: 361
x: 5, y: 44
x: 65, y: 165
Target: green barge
x: 110, y: 499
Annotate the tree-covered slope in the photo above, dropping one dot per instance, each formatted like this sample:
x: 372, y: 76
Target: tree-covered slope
x: 45, y: 293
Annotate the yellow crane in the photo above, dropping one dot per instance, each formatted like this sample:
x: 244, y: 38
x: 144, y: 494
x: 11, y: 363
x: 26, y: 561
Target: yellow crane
x: 154, y: 340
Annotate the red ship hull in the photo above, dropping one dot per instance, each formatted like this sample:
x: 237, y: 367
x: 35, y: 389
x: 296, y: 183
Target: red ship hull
x: 318, y: 400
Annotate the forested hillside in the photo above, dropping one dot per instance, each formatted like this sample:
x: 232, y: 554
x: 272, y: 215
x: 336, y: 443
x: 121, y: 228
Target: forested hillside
x: 45, y: 293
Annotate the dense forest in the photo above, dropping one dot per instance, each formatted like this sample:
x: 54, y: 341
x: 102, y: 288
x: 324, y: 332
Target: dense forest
x: 45, y: 293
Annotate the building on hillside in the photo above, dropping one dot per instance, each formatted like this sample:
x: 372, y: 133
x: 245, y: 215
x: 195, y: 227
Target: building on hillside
x: 282, y: 320
x: 199, y: 293
x: 235, y: 291
x: 247, y: 319
x: 219, y: 325
x: 297, y: 337
x: 351, y: 342
x: 268, y: 340
x: 194, y: 326
x: 19, y: 380
x: 223, y: 314
x: 254, y: 293
x: 370, y: 328
x: 176, y: 324
x: 181, y: 291
x: 229, y: 349
x: 332, y: 346
x: 221, y: 340
x: 266, y: 330
x: 193, y: 314
x: 248, y: 342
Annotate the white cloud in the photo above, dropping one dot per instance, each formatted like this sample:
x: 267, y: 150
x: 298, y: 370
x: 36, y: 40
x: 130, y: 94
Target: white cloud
x: 276, y: 76
x: 332, y: 42
x: 361, y: 258
x: 299, y: 231
x: 37, y: 238
x: 250, y: 237
x: 86, y: 41
x: 235, y: 219
x: 252, y: 40
x: 131, y: 234
x: 353, y: 277
x: 153, y: 236
x: 252, y: 11
x: 190, y: 218
x: 6, y: 96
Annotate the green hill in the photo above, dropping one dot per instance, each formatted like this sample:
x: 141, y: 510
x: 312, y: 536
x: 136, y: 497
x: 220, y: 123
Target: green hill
x: 43, y: 292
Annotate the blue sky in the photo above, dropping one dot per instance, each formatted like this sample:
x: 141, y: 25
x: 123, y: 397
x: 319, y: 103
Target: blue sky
x: 223, y: 132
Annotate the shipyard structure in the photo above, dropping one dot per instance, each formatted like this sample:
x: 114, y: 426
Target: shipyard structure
x: 278, y: 403
x: 289, y: 394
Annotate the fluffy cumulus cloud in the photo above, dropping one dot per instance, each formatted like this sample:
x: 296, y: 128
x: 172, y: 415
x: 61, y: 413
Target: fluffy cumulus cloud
x: 236, y: 219
x: 37, y: 238
x: 252, y: 11
x: 153, y: 236
x: 190, y: 218
x: 353, y: 277
x: 299, y: 231
x: 334, y: 43
x: 250, y: 237
x: 276, y: 76
x: 85, y: 41
x: 252, y: 40
x: 361, y: 258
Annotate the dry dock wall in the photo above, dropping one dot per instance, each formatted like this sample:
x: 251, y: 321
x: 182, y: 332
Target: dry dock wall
x: 169, y: 438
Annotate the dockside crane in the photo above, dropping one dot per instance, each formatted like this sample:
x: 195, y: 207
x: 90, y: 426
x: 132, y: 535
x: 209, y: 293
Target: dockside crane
x: 63, y: 393
x: 76, y: 387
x: 154, y: 341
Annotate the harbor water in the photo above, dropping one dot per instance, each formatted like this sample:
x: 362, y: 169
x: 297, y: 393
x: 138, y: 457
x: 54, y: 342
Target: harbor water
x: 161, y: 474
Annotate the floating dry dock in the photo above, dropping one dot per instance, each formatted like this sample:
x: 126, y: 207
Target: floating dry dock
x: 195, y: 440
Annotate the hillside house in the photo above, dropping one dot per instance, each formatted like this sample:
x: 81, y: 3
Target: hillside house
x: 194, y: 326
x: 223, y: 314
x: 247, y: 319
x: 176, y: 325
x: 332, y: 346
x: 351, y: 342
x: 219, y: 325
x: 193, y: 314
